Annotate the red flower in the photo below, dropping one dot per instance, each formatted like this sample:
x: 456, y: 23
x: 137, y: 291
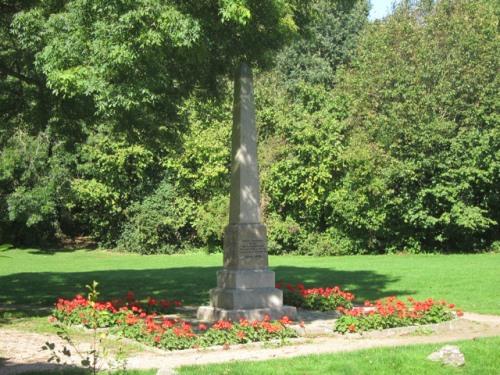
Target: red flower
x: 352, y: 328
x: 131, y: 319
x: 241, y: 335
x: 167, y: 323
x: 223, y: 325
x: 202, y: 327
x: 243, y: 322
x: 460, y: 313
x: 285, y: 320
x: 178, y: 332
x: 269, y: 327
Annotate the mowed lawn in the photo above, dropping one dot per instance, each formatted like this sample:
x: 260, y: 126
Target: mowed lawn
x: 481, y: 358
x: 36, y: 278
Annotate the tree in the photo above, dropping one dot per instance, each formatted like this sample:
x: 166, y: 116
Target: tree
x: 92, y: 78
x: 423, y: 154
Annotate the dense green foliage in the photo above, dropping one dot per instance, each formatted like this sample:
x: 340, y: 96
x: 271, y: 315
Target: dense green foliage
x: 90, y: 99
x: 374, y: 137
x: 424, y: 151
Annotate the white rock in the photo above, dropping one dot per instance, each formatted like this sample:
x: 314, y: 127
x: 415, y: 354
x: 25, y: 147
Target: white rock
x: 448, y: 355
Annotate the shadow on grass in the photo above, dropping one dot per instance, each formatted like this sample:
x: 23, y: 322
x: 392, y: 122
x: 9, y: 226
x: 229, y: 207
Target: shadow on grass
x: 189, y: 284
x: 44, y: 368
x: 65, y: 247
x: 41, y: 368
x: 56, y: 250
x: 5, y: 247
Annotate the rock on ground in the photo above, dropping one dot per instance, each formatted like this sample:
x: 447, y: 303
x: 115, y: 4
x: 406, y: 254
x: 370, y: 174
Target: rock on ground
x: 448, y: 355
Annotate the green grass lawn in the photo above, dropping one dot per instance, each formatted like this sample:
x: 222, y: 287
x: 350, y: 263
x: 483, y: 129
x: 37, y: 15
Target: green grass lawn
x: 36, y: 278
x: 32, y: 278
x: 481, y: 358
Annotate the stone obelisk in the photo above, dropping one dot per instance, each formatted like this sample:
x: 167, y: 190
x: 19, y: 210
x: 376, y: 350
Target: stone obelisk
x: 245, y: 286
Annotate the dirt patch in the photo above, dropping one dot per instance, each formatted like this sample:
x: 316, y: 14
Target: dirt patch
x: 21, y: 351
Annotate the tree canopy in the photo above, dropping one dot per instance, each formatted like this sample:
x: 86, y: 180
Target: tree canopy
x: 373, y: 136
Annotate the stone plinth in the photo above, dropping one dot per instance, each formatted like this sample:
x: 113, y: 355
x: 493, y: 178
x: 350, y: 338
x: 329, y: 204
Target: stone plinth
x: 245, y: 287
x: 245, y: 279
x: 211, y: 314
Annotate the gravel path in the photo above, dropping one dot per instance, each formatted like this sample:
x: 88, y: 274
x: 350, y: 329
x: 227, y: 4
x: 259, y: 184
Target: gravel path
x: 20, y: 351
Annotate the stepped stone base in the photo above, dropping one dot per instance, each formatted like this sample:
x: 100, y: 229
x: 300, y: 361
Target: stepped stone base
x: 258, y: 298
x: 210, y: 313
x: 245, y: 293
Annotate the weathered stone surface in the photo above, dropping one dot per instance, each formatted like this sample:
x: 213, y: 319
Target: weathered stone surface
x: 245, y: 246
x: 245, y: 188
x: 245, y: 279
x: 234, y: 299
x: 448, y: 355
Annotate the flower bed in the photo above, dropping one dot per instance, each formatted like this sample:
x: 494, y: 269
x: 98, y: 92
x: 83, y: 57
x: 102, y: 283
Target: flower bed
x: 175, y: 334
x: 322, y: 299
x: 145, y: 323
x: 392, y: 312
x: 85, y: 311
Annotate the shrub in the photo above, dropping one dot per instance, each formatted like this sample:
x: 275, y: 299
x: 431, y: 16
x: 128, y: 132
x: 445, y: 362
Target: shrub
x: 159, y: 223
x: 210, y: 220
x: 330, y: 242
x: 284, y: 236
x: 114, y: 175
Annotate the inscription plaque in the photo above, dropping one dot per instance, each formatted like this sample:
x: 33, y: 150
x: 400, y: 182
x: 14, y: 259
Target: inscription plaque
x: 251, y: 249
x: 245, y: 246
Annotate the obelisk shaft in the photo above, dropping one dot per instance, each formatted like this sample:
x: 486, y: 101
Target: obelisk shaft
x: 245, y: 286
x: 245, y: 239
x: 245, y: 196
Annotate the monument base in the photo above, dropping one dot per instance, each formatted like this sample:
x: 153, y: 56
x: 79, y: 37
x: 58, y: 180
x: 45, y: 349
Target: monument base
x: 211, y: 314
